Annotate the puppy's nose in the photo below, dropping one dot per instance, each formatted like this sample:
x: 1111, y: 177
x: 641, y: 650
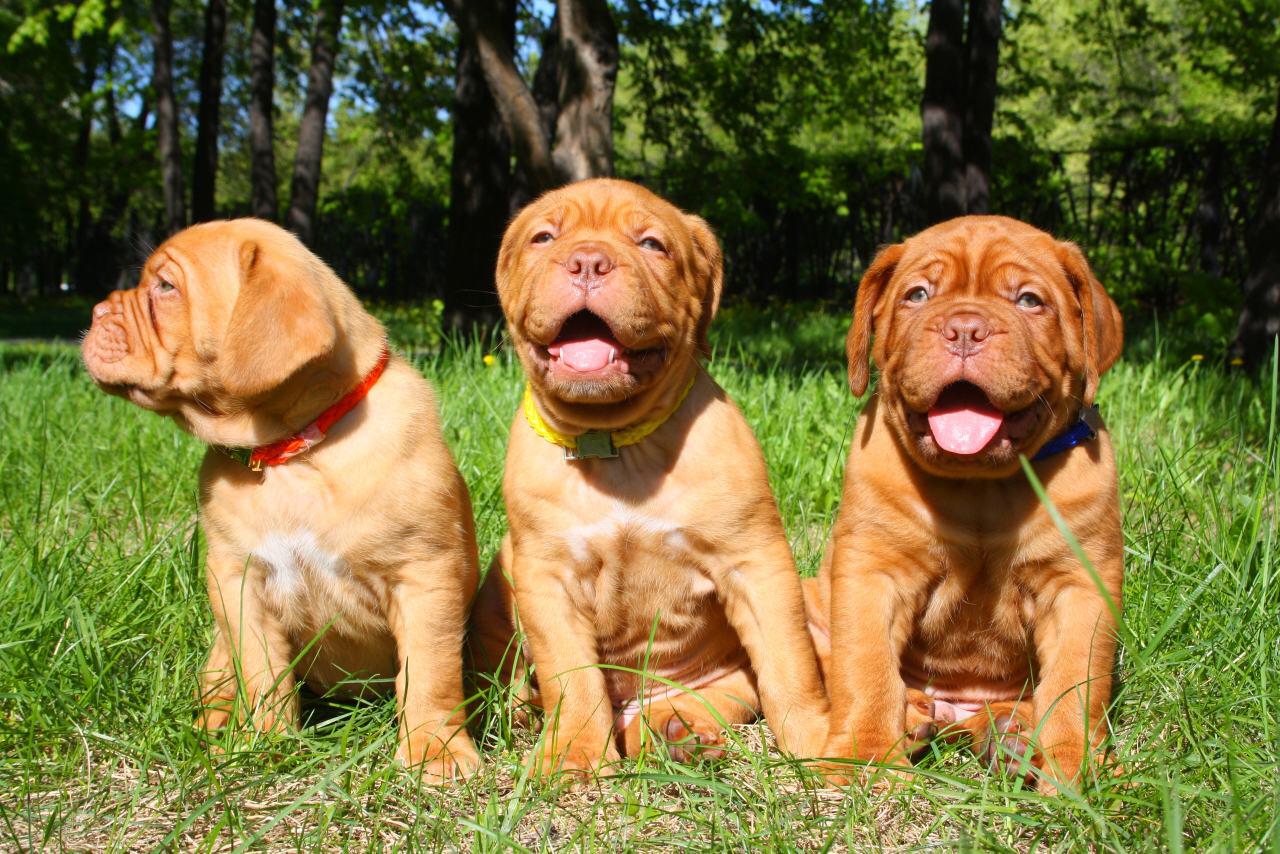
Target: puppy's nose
x: 102, y: 309
x: 589, y: 262
x: 965, y: 332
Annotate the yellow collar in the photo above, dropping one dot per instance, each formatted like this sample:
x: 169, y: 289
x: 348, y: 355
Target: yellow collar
x: 602, y: 444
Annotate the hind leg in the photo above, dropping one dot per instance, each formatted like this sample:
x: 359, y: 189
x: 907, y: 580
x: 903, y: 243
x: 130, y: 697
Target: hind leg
x: 1000, y: 734
x: 690, y: 724
x: 922, y: 726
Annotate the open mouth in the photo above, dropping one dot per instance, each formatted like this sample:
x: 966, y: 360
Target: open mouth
x: 587, y: 346
x: 963, y: 421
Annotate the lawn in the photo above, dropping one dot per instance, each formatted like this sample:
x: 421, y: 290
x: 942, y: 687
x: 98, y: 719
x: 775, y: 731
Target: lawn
x: 106, y: 623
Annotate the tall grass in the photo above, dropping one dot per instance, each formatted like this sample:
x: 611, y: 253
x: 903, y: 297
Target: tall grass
x: 105, y: 626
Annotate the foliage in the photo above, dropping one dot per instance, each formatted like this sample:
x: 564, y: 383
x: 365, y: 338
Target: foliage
x: 792, y: 126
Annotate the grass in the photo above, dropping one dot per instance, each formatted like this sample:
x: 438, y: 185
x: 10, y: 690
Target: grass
x: 106, y: 623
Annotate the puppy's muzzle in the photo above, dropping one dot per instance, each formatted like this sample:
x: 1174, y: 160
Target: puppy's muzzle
x: 589, y: 266
x: 965, y: 333
x: 108, y: 339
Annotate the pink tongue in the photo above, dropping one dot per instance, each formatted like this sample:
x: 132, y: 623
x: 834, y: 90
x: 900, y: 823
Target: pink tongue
x: 964, y: 426
x: 589, y: 354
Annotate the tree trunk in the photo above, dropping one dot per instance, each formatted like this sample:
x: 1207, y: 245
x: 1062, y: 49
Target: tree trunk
x: 100, y: 254
x: 586, y: 69
x: 262, y: 48
x: 480, y: 186
x: 942, y: 112
x: 82, y: 270
x: 478, y: 23
x: 204, y: 181
x: 983, y: 53
x: 167, y: 117
x: 305, y: 190
x: 584, y: 63
x: 1209, y: 219
x: 1260, y: 317
x: 546, y: 88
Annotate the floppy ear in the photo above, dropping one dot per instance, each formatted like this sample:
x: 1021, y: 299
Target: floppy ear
x: 1103, y: 328
x: 711, y: 263
x: 506, y: 254
x: 858, y: 344
x: 280, y: 322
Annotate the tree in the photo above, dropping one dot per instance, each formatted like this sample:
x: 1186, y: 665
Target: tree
x: 261, y: 133
x: 480, y: 184
x: 982, y: 55
x: 305, y: 189
x: 579, y: 144
x: 167, y: 117
x: 586, y: 70
x: 958, y: 106
x: 1259, y: 322
x: 205, y: 178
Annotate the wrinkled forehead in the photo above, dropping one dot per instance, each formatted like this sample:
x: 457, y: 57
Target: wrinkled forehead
x: 208, y: 258
x: 628, y: 211
x: 205, y: 266
x: 976, y: 260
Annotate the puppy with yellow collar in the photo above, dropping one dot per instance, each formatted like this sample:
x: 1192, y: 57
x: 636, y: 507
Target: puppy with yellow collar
x: 646, y: 559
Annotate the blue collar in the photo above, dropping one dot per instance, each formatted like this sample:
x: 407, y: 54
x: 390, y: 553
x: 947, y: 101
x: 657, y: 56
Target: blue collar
x: 1082, y: 431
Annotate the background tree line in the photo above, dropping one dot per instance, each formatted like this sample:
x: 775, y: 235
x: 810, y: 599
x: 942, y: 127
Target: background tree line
x: 397, y: 138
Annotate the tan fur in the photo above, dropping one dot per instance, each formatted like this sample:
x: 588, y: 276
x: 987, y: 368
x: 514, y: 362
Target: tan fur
x: 949, y: 572
x: 363, y: 547
x: 670, y: 559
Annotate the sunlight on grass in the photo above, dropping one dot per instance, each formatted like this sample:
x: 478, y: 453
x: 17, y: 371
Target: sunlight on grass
x: 101, y: 580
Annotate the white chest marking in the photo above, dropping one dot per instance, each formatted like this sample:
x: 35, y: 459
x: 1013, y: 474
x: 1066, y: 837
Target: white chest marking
x: 622, y: 521
x: 293, y: 558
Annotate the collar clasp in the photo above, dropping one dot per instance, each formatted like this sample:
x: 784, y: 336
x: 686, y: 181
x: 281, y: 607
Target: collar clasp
x: 593, y: 444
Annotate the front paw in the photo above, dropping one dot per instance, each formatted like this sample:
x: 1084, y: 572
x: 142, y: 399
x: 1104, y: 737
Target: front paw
x: 439, y: 763
x: 1063, y: 770
x: 214, y: 714
x: 544, y: 762
x: 869, y: 764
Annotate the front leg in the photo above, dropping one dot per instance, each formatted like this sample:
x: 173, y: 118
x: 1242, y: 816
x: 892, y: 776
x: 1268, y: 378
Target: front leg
x: 251, y: 644
x: 764, y: 604
x: 872, y: 612
x: 578, y: 728
x: 427, y: 618
x: 1075, y: 638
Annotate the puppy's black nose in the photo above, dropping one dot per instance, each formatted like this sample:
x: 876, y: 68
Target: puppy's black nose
x: 588, y: 262
x: 965, y: 333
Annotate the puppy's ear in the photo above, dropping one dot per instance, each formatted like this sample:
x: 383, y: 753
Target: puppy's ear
x: 280, y: 322
x: 506, y: 254
x: 858, y: 344
x: 1103, y: 328
x: 711, y: 270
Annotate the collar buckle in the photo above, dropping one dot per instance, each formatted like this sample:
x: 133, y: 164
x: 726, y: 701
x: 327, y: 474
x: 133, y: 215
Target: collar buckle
x: 593, y: 444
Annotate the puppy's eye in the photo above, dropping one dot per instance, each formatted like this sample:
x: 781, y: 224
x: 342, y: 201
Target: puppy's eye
x: 653, y: 244
x: 164, y: 287
x: 1027, y: 299
x: 917, y: 295
x: 543, y: 237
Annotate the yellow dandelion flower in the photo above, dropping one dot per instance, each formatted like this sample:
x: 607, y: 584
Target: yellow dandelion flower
x: 1197, y: 358
x: 489, y: 360
x: 1237, y: 361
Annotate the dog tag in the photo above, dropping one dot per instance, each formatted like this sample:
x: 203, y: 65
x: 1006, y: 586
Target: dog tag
x: 244, y: 456
x: 596, y: 444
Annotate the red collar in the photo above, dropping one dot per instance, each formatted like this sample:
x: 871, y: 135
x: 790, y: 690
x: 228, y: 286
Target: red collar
x: 314, y: 433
